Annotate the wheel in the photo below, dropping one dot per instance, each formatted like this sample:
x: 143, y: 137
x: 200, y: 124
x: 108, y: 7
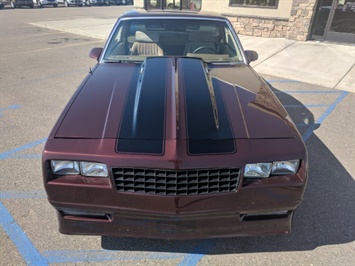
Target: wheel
x: 55, y: 5
x: 12, y: 4
x: 205, y: 48
x: 170, y: 6
x: 32, y: 5
x: 80, y: 5
x: 66, y: 4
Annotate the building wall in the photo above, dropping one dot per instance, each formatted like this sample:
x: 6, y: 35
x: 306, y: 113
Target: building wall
x: 222, y: 6
x: 292, y: 19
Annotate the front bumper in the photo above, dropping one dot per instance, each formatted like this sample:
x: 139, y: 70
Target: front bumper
x: 174, y: 227
x: 256, y: 209
x: 94, y: 206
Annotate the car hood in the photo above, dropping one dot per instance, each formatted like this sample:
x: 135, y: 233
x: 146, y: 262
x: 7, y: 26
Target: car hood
x: 162, y: 98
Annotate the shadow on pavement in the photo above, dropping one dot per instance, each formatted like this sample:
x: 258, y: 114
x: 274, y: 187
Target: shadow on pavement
x: 326, y: 216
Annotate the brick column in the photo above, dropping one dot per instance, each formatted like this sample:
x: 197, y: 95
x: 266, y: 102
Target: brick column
x: 300, y: 21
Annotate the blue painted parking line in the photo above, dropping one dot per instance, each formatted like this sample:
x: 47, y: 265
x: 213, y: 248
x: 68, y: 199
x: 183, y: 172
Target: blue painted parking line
x: 10, y: 153
x: 77, y: 256
x: 202, y: 248
x: 24, y: 245
x: 11, y: 107
x: 326, y: 113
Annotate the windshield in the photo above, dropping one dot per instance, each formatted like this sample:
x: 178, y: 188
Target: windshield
x: 134, y: 40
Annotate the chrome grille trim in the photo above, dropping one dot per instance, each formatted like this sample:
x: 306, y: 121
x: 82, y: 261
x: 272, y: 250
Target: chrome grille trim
x: 176, y: 182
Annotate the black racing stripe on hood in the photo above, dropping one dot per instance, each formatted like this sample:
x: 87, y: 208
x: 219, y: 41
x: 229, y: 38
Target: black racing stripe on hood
x: 208, y: 127
x: 143, y: 123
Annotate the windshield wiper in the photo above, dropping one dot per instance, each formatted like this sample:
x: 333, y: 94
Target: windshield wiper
x: 134, y: 61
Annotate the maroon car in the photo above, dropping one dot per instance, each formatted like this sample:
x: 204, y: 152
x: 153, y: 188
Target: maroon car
x: 173, y: 135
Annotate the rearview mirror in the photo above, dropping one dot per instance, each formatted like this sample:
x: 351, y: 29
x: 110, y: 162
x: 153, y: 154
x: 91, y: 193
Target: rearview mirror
x: 95, y: 53
x: 251, y: 55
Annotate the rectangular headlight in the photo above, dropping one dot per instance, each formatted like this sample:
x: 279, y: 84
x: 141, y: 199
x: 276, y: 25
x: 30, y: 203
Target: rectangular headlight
x: 60, y: 167
x: 93, y: 169
x: 257, y: 170
x: 285, y: 167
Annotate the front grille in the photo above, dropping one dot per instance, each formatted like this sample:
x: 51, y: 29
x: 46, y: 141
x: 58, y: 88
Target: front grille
x: 175, y: 182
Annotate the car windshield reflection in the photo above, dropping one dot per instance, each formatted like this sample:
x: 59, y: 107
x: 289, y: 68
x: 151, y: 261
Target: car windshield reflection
x: 134, y: 40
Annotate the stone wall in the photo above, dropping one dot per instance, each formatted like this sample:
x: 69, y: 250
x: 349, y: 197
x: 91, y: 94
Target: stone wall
x: 297, y: 27
x: 259, y: 26
x: 301, y: 19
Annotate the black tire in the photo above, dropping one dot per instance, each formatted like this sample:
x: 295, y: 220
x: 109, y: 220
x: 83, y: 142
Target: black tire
x: 32, y: 5
x: 80, y: 5
x: 55, y: 5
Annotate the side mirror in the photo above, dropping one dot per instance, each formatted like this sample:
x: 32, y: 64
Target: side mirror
x: 95, y: 53
x: 251, y: 55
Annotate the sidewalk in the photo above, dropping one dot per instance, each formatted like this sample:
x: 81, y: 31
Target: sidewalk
x: 321, y: 63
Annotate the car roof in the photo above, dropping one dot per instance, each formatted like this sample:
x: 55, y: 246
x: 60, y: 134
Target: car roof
x: 136, y: 13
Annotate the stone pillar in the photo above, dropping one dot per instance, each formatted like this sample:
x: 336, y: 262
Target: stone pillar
x: 300, y: 22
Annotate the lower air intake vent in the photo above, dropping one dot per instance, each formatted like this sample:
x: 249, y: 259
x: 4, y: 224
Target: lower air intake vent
x: 175, y: 182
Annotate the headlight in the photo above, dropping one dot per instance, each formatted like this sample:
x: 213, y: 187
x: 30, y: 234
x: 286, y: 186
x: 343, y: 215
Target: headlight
x: 93, y: 169
x: 62, y: 167
x: 285, y: 167
x: 262, y: 170
x: 65, y: 167
x: 257, y: 170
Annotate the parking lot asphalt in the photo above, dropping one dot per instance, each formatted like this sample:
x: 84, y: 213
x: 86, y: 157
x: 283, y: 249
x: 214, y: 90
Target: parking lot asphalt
x: 39, y: 71
x: 326, y: 64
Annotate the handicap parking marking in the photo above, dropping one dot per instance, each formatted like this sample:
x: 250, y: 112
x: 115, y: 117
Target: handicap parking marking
x: 11, y: 107
x: 329, y: 108
x: 23, y: 244
x: 32, y: 256
x: 326, y: 113
x: 202, y: 248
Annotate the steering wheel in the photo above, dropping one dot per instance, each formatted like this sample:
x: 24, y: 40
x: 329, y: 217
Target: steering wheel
x: 205, y: 48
